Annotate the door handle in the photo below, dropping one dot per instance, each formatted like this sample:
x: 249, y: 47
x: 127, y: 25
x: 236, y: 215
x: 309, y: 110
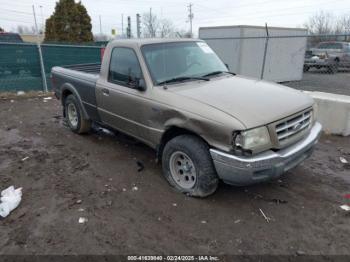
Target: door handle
x: 105, y: 91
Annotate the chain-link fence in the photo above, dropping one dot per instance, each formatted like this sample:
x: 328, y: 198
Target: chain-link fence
x: 305, y: 62
x: 20, y: 67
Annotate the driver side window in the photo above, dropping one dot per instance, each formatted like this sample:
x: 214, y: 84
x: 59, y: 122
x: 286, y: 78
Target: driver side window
x: 124, y: 68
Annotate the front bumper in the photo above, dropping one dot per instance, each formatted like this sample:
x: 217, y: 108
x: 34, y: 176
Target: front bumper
x: 241, y: 170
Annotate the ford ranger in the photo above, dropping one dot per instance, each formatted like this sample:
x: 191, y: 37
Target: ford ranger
x: 204, y: 122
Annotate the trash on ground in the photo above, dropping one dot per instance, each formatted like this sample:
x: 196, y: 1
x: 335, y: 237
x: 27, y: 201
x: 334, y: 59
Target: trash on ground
x: 124, y: 189
x: 82, y: 220
x: 263, y: 214
x: 134, y: 188
x: 10, y: 199
x: 20, y: 93
x: 81, y: 209
x: 300, y: 253
x: 345, y: 207
x: 343, y: 160
x: 47, y: 98
x: 79, y: 201
x: 140, y: 166
x: 237, y: 221
x: 174, y: 204
x: 24, y: 159
x: 12, y: 101
x: 203, y: 222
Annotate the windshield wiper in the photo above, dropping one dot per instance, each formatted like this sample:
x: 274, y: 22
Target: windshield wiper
x: 217, y: 73
x: 183, y: 78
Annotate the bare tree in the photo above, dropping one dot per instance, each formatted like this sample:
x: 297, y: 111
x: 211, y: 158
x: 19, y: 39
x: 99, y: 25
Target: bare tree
x: 320, y: 23
x: 154, y: 27
x: 150, y: 25
x: 166, y: 28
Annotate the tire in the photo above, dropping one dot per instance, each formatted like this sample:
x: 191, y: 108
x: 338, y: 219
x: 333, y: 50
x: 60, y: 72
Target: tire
x: 77, y: 124
x: 195, y: 162
x: 306, y: 68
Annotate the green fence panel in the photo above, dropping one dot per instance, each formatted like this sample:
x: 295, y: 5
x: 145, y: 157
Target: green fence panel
x: 20, y: 64
x: 19, y: 67
x: 61, y: 55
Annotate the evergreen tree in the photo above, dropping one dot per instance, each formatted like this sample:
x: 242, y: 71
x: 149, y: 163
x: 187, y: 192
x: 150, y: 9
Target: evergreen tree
x: 70, y: 22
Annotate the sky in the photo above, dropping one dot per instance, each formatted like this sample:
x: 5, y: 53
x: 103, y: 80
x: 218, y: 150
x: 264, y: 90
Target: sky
x: 283, y: 13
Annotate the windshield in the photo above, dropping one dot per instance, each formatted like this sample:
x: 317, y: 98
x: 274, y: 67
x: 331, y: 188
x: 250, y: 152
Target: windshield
x: 180, y: 60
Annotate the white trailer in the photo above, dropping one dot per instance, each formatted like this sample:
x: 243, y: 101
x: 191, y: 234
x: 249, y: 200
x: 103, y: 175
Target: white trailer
x: 242, y: 48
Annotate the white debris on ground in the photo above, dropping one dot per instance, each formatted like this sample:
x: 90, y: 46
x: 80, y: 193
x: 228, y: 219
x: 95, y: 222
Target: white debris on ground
x: 135, y: 188
x: 47, y: 98
x: 24, y: 159
x: 266, y: 217
x: 174, y: 204
x: 203, y: 222
x: 82, y: 220
x: 10, y: 199
x: 345, y: 207
x: 20, y: 93
x: 343, y: 160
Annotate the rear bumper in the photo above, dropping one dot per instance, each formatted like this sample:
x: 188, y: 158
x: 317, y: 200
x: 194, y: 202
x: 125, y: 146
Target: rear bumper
x: 240, y: 170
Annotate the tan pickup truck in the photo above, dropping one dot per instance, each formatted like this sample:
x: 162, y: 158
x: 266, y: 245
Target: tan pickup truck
x: 204, y: 122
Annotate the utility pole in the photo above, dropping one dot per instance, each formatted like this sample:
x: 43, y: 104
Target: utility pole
x: 190, y: 17
x: 128, y: 29
x: 138, y: 25
x: 43, y: 75
x: 151, y: 23
x: 100, y: 25
x: 42, y: 19
x: 122, y: 25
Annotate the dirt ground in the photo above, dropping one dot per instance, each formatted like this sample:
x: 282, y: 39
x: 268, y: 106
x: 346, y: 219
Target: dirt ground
x: 95, y: 176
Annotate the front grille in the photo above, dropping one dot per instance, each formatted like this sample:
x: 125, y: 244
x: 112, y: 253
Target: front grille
x: 287, y: 129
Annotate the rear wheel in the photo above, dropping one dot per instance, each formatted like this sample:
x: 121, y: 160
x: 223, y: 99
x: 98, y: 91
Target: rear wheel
x: 188, y: 167
x: 74, y: 116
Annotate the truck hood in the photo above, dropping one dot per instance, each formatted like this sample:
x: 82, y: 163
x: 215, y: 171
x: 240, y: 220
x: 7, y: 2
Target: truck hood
x: 252, y: 102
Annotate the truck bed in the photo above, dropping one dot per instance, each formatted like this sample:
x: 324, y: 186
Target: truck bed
x: 93, y: 68
x: 81, y: 79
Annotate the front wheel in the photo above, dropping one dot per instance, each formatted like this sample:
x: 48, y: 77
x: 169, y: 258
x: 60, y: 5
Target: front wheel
x: 188, y: 167
x: 76, y: 122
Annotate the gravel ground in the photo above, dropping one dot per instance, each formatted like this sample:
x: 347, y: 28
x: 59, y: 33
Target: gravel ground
x: 95, y: 176
x: 320, y: 80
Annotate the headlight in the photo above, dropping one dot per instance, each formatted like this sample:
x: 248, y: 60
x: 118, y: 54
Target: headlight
x: 253, y: 139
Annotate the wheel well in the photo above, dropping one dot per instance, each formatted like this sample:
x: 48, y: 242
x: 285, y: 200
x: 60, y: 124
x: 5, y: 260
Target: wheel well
x: 65, y: 94
x: 169, y: 134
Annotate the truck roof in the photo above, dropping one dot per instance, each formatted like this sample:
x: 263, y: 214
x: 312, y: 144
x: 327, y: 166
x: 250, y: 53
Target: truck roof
x: 144, y: 41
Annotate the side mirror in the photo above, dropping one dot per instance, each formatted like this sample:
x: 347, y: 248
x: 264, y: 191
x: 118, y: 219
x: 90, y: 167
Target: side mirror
x: 140, y: 84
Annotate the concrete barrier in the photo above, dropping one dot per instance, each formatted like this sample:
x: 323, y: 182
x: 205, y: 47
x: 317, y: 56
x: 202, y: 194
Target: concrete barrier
x: 333, y: 112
